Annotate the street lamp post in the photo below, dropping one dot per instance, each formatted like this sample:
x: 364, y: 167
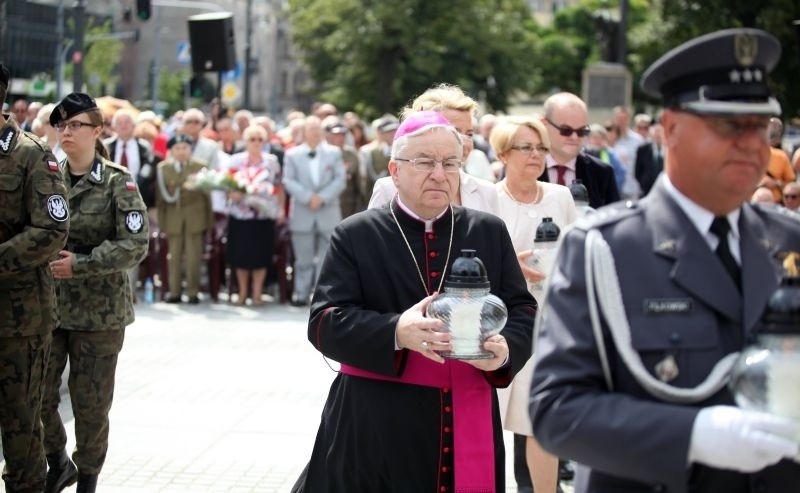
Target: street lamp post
x: 247, y: 50
x: 77, y: 54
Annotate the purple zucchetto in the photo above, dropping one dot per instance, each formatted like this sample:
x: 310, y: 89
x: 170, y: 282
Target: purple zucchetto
x: 416, y: 122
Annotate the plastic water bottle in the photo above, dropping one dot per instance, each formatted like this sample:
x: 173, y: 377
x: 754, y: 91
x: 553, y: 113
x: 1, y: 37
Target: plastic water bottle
x: 148, y: 291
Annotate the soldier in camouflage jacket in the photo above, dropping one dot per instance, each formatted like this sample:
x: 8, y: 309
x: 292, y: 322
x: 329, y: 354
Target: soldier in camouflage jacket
x: 108, y: 235
x: 33, y: 227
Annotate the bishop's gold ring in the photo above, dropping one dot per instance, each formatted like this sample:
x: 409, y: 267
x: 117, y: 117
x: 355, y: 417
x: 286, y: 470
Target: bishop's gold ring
x: 424, y: 344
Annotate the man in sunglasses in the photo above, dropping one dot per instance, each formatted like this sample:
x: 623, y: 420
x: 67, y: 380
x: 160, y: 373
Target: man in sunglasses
x: 652, y: 299
x: 566, y: 119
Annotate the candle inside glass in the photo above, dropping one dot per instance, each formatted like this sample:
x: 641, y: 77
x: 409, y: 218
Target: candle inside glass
x: 465, y: 322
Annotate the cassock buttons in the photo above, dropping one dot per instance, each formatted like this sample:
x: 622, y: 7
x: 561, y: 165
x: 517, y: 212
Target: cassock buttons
x: 431, y: 236
x: 444, y: 469
x: 447, y: 429
x: 434, y: 273
x: 447, y: 409
x: 446, y: 450
x: 433, y: 254
x: 443, y: 488
x: 446, y: 390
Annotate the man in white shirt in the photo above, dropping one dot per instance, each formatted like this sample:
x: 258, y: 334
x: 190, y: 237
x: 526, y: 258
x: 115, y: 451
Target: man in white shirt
x: 625, y: 149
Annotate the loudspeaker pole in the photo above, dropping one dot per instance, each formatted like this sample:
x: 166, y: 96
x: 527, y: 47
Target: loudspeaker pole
x: 219, y: 87
x: 249, y: 36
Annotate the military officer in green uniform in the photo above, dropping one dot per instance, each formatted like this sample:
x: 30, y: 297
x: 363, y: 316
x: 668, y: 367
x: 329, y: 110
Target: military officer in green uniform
x: 184, y: 214
x: 108, y: 235
x: 34, y: 220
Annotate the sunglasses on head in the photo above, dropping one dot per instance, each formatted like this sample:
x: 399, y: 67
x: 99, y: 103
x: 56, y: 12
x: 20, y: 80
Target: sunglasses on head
x: 566, y: 130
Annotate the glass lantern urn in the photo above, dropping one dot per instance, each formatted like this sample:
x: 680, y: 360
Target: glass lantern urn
x: 544, y: 249
x: 469, y: 311
x: 766, y: 376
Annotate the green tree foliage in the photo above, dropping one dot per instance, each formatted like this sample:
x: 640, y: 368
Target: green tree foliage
x: 100, y: 60
x: 374, y: 56
x: 672, y: 22
x: 172, y: 88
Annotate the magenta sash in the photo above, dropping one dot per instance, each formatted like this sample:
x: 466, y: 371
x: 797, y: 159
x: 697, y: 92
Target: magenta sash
x: 473, y: 434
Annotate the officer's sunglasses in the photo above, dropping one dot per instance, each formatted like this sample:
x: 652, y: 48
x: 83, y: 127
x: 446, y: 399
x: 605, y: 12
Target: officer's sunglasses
x: 566, y: 130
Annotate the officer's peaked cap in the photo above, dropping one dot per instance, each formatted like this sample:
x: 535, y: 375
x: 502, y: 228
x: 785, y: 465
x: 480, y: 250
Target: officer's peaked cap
x: 73, y: 104
x: 724, y: 72
x: 180, y: 139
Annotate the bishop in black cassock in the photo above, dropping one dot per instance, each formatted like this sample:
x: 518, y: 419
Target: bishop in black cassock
x: 380, y: 430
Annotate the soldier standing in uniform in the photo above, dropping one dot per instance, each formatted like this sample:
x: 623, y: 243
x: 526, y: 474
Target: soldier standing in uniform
x: 33, y: 228
x: 108, y: 235
x: 651, y: 299
x: 183, y: 215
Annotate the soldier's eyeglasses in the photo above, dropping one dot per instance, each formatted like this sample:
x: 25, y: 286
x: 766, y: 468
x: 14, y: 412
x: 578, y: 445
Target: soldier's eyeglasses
x: 72, y: 126
x: 427, y: 164
x: 566, y: 130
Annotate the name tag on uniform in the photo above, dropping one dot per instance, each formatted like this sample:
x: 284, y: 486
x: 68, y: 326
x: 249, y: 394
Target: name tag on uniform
x: 655, y: 306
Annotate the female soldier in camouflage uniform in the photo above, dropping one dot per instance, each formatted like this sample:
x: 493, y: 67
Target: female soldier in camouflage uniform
x: 108, y: 235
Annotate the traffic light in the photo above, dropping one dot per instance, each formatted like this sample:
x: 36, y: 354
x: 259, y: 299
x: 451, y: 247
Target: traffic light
x: 143, y: 9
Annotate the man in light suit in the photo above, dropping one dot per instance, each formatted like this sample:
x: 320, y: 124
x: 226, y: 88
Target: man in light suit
x: 630, y: 393
x: 314, y: 176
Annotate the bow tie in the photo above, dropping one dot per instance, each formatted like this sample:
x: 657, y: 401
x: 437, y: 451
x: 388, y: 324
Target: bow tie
x: 311, y: 154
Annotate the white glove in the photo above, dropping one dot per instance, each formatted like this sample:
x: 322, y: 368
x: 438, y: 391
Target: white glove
x: 727, y: 437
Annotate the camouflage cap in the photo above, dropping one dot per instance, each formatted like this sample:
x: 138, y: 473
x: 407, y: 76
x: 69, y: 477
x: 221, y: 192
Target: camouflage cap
x: 724, y: 72
x: 73, y: 104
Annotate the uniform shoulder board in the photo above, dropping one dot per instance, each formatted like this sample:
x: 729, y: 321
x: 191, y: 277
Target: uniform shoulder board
x: 775, y: 210
x: 115, y: 166
x: 608, y: 214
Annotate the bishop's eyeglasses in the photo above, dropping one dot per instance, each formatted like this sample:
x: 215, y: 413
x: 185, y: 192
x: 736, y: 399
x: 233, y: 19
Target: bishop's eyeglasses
x: 426, y: 164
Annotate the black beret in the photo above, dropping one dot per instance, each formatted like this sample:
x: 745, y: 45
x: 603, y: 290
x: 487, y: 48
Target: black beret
x: 5, y: 75
x: 73, y: 104
x: 724, y: 72
x: 180, y: 139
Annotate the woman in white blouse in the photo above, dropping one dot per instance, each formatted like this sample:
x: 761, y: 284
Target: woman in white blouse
x: 521, y: 143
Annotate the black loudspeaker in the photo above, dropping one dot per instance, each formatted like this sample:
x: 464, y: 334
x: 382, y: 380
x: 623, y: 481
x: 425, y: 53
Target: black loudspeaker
x: 797, y: 33
x: 212, y: 41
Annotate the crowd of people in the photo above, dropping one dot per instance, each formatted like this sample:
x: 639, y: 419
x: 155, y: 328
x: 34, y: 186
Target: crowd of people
x: 375, y: 215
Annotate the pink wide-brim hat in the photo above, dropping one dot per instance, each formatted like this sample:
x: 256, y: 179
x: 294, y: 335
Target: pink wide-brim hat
x: 419, y: 121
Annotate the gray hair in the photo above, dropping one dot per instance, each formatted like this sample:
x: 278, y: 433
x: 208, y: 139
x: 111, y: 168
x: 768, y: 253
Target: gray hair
x: 399, y: 145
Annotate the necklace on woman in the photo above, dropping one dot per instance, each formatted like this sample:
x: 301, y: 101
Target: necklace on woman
x: 408, y: 245
x: 536, y: 198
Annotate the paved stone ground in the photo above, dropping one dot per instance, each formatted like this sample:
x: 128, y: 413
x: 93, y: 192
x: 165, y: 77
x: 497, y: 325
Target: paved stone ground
x: 214, y: 398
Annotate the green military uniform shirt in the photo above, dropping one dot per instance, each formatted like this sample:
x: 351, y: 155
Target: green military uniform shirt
x: 181, y: 209
x: 108, y: 235
x: 34, y: 219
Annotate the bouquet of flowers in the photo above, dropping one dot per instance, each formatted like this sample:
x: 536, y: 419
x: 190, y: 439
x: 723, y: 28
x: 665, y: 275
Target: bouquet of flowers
x: 209, y: 179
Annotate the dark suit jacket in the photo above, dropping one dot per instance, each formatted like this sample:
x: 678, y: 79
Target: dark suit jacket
x: 631, y: 440
x: 146, y: 179
x: 597, y: 176
x: 646, y: 168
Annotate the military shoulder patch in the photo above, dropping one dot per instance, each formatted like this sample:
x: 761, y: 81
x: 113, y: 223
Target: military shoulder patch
x: 53, y: 165
x: 130, y: 185
x: 6, y: 138
x: 134, y: 222
x: 57, y: 208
